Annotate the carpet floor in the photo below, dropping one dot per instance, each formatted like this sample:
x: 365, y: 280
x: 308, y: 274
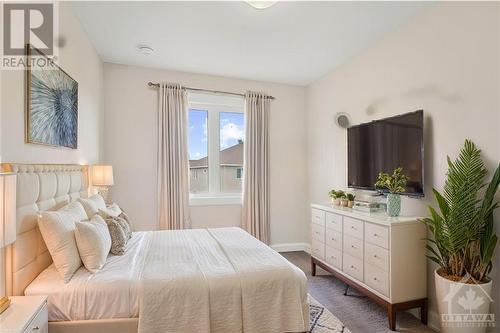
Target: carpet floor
x: 359, y: 314
x: 323, y: 321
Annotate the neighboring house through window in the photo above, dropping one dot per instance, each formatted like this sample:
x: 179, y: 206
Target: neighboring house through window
x: 216, y: 145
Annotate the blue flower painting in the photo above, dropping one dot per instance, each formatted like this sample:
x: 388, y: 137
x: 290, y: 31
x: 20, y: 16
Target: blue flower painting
x: 52, y: 115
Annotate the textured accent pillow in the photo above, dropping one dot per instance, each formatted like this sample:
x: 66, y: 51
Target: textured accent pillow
x: 118, y: 237
x: 57, y: 229
x: 94, y: 242
x: 115, y: 212
x: 127, y: 221
x: 92, y: 205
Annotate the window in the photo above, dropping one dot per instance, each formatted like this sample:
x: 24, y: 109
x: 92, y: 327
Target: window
x: 232, y: 134
x: 216, y: 143
x: 239, y: 173
x: 198, y: 151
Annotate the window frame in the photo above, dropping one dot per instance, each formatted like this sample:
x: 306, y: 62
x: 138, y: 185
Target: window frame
x: 215, y: 104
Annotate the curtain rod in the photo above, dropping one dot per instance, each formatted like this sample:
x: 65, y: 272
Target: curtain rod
x: 157, y: 85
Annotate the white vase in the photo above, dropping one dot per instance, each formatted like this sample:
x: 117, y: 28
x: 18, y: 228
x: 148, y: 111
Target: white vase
x: 463, y: 308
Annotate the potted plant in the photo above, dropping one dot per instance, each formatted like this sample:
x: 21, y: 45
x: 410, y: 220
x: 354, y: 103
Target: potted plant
x: 464, y: 239
x: 396, y: 184
x: 350, y: 200
x: 338, y: 197
x: 343, y: 200
x: 332, y: 195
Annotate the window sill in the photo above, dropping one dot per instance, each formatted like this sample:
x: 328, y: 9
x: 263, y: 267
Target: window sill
x: 200, y: 200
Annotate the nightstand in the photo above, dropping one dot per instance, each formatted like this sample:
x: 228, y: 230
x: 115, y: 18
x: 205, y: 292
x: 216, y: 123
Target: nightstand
x: 26, y: 314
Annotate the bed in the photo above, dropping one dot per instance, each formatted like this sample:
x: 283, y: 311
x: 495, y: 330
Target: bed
x: 205, y: 280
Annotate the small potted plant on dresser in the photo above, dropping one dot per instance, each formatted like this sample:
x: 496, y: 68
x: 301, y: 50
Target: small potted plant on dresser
x: 333, y: 197
x: 396, y: 184
x: 350, y: 200
x: 339, y: 194
x: 464, y: 243
x: 343, y: 200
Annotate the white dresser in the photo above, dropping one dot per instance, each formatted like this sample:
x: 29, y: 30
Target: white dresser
x: 381, y: 256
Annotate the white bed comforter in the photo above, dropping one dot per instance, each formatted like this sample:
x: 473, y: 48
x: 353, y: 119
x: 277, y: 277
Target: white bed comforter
x: 219, y: 280
x: 203, y: 281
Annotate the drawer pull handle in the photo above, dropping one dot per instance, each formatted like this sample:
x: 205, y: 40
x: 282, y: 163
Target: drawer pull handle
x: 332, y: 257
x: 36, y: 328
x: 374, y: 279
x: 316, y: 232
x: 353, y: 267
x: 375, y: 235
x: 352, y: 227
x: 333, y: 239
x: 354, y: 247
x: 375, y: 256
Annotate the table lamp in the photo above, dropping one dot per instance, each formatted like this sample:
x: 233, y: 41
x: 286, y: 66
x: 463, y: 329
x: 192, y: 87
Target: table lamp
x: 7, y: 225
x: 102, y: 179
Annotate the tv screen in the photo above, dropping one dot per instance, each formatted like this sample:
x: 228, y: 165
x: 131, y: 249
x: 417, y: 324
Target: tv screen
x: 384, y: 145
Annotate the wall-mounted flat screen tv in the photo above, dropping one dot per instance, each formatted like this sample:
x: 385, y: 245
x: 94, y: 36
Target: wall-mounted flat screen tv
x: 384, y: 145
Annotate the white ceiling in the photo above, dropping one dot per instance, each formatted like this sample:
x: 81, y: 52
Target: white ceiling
x: 291, y: 42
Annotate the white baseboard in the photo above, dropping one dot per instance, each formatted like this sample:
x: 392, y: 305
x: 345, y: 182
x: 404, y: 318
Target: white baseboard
x: 291, y: 247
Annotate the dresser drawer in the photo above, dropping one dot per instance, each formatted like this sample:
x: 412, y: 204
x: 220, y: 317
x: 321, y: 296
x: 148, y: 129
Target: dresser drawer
x: 353, y: 246
x: 318, y: 216
x: 333, y: 221
x: 352, y: 266
x: 353, y: 227
x: 377, y: 279
x: 318, y: 232
x: 377, y: 256
x: 334, y: 239
x: 333, y: 257
x: 377, y: 235
x: 39, y: 324
x: 317, y: 249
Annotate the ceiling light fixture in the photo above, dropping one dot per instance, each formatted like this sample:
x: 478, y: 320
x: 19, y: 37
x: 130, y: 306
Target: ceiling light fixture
x: 145, y: 50
x: 262, y: 4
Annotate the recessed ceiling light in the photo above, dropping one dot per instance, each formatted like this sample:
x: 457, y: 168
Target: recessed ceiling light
x: 262, y: 4
x: 145, y: 50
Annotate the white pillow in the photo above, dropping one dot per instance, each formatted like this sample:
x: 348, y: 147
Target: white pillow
x: 94, y: 242
x: 57, y: 229
x: 114, y: 211
x: 92, y: 205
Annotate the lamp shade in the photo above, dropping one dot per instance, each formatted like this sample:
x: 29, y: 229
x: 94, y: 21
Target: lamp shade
x: 102, y: 175
x: 7, y: 209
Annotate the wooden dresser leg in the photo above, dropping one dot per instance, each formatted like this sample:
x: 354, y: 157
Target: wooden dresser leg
x: 423, y: 312
x: 391, y: 314
x: 313, y: 267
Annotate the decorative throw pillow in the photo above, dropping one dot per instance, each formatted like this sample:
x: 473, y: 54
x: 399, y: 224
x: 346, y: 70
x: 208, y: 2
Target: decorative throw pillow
x: 127, y: 221
x: 116, y: 213
x: 118, y: 237
x: 94, y: 242
x: 57, y: 229
x: 92, y: 205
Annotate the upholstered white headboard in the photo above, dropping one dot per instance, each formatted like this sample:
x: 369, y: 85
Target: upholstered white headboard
x: 39, y: 187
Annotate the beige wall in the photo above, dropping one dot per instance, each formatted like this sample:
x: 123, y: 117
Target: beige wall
x: 130, y: 146
x: 80, y: 60
x: 445, y: 62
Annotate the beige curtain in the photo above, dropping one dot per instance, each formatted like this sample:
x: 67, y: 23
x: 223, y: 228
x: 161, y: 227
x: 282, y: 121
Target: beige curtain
x: 256, y: 165
x: 172, y: 159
